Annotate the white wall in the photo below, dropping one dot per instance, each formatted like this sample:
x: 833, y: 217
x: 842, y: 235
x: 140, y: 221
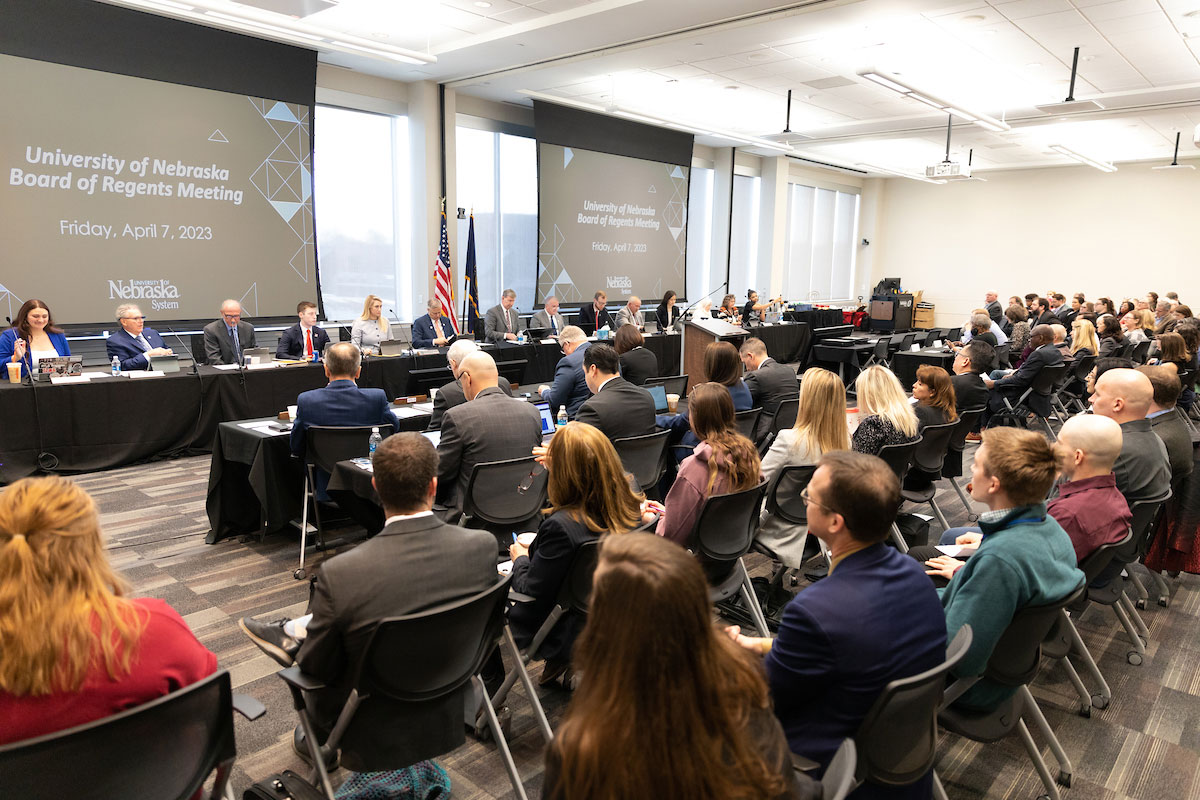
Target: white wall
x: 1069, y: 229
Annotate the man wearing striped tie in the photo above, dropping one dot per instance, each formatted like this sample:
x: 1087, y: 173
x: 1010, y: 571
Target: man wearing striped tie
x: 549, y: 317
x: 134, y: 344
x: 501, y: 323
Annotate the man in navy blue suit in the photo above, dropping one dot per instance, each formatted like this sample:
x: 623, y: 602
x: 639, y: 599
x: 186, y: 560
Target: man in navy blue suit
x: 134, y: 344
x: 304, y: 339
x: 340, y: 402
x: 433, y: 329
x: 873, y: 620
x: 570, y: 387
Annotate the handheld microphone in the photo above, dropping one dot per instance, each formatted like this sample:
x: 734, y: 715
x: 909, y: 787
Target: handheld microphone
x: 186, y: 349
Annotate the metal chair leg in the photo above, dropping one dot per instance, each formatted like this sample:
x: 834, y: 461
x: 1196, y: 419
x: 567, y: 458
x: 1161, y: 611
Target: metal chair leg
x: 962, y: 495
x: 901, y: 545
x: 1079, y: 648
x: 1065, y: 770
x: 1036, y: 757
x: 1163, y: 588
x: 1138, y: 654
x: 1142, y: 594
x: 937, y: 512
x: 539, y: 713
x: 1138, y: 622
x: 1085, y: 697
x: 299, y: 573
x: 760, y: 620
x: 501, y: 743
x: 939, y: 791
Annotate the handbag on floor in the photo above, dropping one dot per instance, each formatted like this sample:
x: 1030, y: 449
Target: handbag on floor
x: 285, y: 785
x: 422, y: 781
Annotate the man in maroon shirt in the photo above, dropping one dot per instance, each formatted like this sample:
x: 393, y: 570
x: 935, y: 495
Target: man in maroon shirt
x: 1089, y: 507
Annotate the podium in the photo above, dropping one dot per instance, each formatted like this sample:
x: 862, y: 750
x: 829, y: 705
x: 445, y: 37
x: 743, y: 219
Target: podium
x: 699, y: 334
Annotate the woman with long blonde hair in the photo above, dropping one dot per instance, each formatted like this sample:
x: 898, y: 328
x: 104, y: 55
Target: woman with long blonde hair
x: 372, y: 327
x: 73, y: 647
x: 1083, y: 337
x: 886, y: 417
x: 820, y: 428
x: 589, y: 498
x: 669, y: 706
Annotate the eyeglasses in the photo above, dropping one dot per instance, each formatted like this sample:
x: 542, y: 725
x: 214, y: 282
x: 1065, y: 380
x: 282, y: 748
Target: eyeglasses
x: 807, y: 498
x: 132, y: 317
x: 232, y: 316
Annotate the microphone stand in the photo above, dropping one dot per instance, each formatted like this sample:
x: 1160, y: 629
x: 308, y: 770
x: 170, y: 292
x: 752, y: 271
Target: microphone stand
x: 46, y: 461
x: 687, y: 311
x: 195, y: 367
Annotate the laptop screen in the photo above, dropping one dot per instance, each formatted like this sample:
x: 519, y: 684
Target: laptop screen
x: 659, y: 393
x: 547, y: 417
x: 433, y: 436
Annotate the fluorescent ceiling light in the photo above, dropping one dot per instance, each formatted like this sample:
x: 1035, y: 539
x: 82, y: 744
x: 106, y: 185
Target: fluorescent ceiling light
x: 173, y: 4
x: 890, y: 82
x: 898, y: 173
x: 637, y: 117
x: 255, y: 25
x: 405, y: 56
x: 1103, y: 166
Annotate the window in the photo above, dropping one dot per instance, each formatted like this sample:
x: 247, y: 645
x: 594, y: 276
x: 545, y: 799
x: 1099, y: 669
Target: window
x: 497, y: 179
x: 743, y: 244
x: 821, y: 234
x: 700, y: 276
x: 361, y: 211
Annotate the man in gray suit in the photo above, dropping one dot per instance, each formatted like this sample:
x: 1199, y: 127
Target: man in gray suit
x: 501, y: 323
x: 1143, y: 470
x: 490, y: 426
x: 769, y: 382
x: 451, y: 394
x: 617, y: 407
x: 631, y: 314
x: 417, y: 562
x: 992, y: 306
x: 1166, y: 422
x: 226, y: 339
x: 549, y: 317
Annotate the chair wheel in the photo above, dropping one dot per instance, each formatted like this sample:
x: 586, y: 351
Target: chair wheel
x: 1064, y: 778
x: 1139, y: 603
x: 1165, y: 601
x: 1086, y: 712
x: 1099, y: 701
x: 1144, y: 640
x: 299, y: 574
x: 1134, y: 658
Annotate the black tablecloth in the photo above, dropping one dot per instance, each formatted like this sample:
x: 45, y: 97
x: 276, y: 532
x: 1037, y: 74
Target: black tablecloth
x: 818, y: 318
x: 905, y: 364
x: 787, y: 342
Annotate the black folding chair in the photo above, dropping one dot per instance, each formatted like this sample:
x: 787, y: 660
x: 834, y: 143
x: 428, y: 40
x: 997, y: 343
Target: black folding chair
x: 1141, y: 352
x: 929, y: 456
x: 324, y: 447
x: 1063, y: 399
x: 724, y: 532
x: 505, y: 495
x: 1003, y: 356
x: 1043, y: 386
x: 785, y: 415
x: 1015, y: 662
x: 161, y: 750
x: 747, y: 421
x: 642, y: 456
x: 952, y: 467
x: 674, y: 384
x: 880, y: 354
x: 394, y: 675
x: 899, y: 457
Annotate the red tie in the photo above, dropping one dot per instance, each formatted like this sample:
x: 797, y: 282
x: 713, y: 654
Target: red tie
x: 308, y: 343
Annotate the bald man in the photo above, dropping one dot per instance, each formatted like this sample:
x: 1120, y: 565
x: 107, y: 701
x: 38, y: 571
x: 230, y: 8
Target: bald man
x: 1089, y: 506
x: 1142, y: 469
x: 632, y: 314
x: 490, y: 426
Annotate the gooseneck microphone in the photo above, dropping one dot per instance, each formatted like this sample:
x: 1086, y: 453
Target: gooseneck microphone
x: 186, y: 349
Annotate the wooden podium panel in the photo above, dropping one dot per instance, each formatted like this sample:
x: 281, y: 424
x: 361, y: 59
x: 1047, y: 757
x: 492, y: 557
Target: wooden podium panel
x: 698, y: 334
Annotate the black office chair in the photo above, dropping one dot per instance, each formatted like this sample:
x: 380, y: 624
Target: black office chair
x: 1003, y: 356
x: 930, y: 338
x: 899, y: 457
x: 643, y: 457
x: 785, y: 415
x: 724, y: 532
x: 495, y: 501
x: 673, y: 384
x: 747, y: 421
x: 324, y: 447
x: 1015, y: 662
x: 929, y: 457
x: 838, y: 780
x: 1141, y: 352
x: 1063, y: 398
x: 952, y: 467
x: 1036, y: 399
x: 897, y: 739
x: 161, y: 750
x: 880, y: 354
x: 388, y: 679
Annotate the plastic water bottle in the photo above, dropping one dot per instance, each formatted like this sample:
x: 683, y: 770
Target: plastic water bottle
x: 116, y: 366
x: 373, y: 442
x: 562, y: 417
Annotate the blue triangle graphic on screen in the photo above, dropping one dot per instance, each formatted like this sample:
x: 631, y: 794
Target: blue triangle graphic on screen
x: 677, y: 173
x: 305, y: 183
x: 281, y: 112
x: 568, y: 154
x: 286, y: 210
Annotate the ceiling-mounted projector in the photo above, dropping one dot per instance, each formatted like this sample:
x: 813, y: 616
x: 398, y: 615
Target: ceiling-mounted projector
x: 949, y: 171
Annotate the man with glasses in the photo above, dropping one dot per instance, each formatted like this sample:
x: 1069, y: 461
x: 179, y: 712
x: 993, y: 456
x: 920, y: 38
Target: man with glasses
x: 134, y: 344
x: 874, y: 619
x: 570, y: 387
x: 451, y: 394
x: 226, y: 339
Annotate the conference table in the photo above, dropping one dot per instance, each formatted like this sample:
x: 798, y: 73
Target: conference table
x: 905, y: 363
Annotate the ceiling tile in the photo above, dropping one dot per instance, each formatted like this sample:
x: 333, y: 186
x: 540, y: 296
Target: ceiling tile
x: 1122, y: 8
x: 519, y: 14
x: 1022, y: 9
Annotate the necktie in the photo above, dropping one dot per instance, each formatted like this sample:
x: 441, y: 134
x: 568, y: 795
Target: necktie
x: 553, y: 326
x: 308, y: 350
x: 508, y: 320
x: 237, y: 348
x: 142, y: 341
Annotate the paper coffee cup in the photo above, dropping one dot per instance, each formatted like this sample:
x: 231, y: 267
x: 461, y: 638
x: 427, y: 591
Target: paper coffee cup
x: 14, y: 372
x: 526, y: 539
x: 672, y: 402
x: 292, y: 413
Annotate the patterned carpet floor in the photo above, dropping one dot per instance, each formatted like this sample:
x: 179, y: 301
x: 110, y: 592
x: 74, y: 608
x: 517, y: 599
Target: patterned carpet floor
x: 1144, y: 745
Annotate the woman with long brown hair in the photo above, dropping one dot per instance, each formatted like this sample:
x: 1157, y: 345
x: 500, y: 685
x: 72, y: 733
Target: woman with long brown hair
x: 73, y: 647
x: 668, y: 706
x: 722, y: 365
x: 937, y: 404
x: 724, y: 461
x: 637, y: 363
x: 589, y: 498
x: 32, y: 337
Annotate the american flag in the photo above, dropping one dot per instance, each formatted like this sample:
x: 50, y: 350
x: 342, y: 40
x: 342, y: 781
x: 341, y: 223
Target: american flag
x: 443, y: 289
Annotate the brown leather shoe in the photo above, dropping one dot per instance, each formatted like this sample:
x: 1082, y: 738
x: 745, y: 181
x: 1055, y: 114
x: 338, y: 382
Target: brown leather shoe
x: 974, y: 437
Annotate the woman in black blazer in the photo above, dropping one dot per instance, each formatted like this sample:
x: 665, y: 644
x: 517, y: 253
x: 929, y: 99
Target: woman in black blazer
x: 637, y: 363
x: 589, y: 498
x: 667, y: 312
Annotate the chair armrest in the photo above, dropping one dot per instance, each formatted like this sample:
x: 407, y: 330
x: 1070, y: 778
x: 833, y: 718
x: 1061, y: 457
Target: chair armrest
x: 248, y: 707
x: 517, y: 597
x: 292, y: 676
x: 802, y: 764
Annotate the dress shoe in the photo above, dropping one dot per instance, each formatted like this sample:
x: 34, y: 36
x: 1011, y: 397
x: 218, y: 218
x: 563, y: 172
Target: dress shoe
x: 974, y: 437
x: 272, y: 639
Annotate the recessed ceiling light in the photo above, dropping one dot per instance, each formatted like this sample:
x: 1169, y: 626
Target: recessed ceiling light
x: 697, y: 44
x: 757, y: 56
x: 672, y: 80
x: 1195, y: 12
x: 731, y: 88
x: 1089, y: 58
x: 974, y: 18
x: 482, y: 4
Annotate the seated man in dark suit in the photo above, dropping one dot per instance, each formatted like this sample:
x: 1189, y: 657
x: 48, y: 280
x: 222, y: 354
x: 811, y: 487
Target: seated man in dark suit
x: 451, y: 394
x: 1143, y: 469
x: 570, y: 386
x: 134, y: 344
x: 434, y: 328
x: 490, y: 426
x: 226, y: 339
x: 769, y: 382
x: 593, y: 316
x: 971, y: 363
x: 416, y: 562
x: 341, y: 402
x: 304, y: 340
x: 617, y: 407
x: 1012, y: 386
x: 874, y: 619
x: 1166, y: 422
x: 1041, y: 314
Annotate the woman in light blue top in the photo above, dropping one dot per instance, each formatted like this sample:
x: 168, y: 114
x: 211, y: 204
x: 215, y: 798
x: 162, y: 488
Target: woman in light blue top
x: 372, y: 327
x: 32, y: 337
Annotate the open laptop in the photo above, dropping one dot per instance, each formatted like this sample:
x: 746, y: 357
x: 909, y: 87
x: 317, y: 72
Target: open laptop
x: 264, y: 354
x: 393, y: 347
x: 659, y: 393
x: 547, y: 417
x: 61, y: 366
x: 433, y: 436
x: 164, y: 364
x: 537, y: 333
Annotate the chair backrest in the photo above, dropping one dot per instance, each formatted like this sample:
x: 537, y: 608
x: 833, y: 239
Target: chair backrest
x: 1099, y: 558
x: 1146, y: 514
x: 643, y: 456
x: 930, y: 338
x: 1141, y: 352
x: 727, y: 523
x: 1082, y: 366
x: 747, y: 421
x: 783, y: 500
x: 966, y: 421
x: 492, y: 493
x: 576, y: 589
x: 160, y: 750
x: 838, y: 779
x: 785, y: 415
x: 881, y: 348
x: 1126, y: 350
x: 900, y: 456
x: 907, y: 341
x: 1047, y: 378
x: 765, y: 445
x: 326, y: 445
x: 512, y: 371
x: 1018, y: 652
x: 674, y: 384
x: 897, y: 740
x: 931, y: 452
x: 1003, y: 355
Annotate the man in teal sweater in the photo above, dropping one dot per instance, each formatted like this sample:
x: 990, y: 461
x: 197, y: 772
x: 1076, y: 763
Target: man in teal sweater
x: 1025, y: 558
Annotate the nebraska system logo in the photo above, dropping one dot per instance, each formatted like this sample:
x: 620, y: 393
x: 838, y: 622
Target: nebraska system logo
x: 162, y: 294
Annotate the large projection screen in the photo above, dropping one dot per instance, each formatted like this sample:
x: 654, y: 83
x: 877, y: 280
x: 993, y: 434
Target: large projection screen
x: 119, y: 189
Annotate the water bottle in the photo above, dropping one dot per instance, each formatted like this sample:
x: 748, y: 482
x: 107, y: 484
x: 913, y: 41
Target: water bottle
x: 116, y: 366
x: 373, y: 442
x: 562, y: 416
